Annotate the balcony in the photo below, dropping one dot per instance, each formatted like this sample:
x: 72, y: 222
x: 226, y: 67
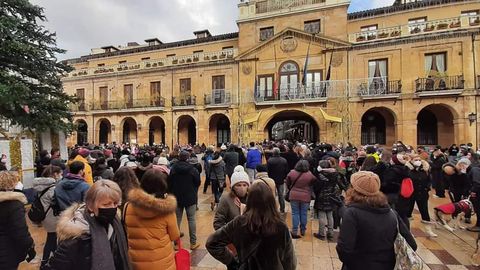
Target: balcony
x: 203, y: 57
x: 313, y: 92
x: 115, y: 105
x: 375, y: 88
x: 271, y: 6
x: 447, y: 85
x: 218, y: 98
x: 434, y: 26
x: 186, y: 102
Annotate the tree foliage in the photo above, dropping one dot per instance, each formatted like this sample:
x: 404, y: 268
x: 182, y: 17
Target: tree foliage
x: 31, y: 93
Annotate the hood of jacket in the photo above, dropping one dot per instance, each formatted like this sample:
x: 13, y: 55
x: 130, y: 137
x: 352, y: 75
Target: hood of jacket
x: 72, y: 223
x: 12, y: 196
x: 148, y: 206
x: 41, y: 183
x: 261, y: 175
x: 71, y: 183
x: 425, y: 166
x: 181, y: 167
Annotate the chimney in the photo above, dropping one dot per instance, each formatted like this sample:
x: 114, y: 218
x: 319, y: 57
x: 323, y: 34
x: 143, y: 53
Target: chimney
x: 202, y: 34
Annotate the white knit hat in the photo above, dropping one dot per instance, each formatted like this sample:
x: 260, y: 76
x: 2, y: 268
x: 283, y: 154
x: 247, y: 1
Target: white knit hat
x: 239, y: 175
x: 162, y: 161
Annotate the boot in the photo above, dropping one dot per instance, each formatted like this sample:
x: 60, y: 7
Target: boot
x: 429, y: 231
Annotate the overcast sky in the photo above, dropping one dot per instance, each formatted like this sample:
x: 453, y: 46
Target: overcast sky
x: 84, y: 24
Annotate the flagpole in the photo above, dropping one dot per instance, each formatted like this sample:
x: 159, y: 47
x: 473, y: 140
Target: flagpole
x: 305, y: 68
x: 276, y: 74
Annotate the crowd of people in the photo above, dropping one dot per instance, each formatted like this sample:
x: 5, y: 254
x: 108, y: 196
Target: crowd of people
x: 127, y: 202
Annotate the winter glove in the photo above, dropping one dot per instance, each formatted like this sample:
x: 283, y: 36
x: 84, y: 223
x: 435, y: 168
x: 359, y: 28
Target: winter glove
x: 31, y: 254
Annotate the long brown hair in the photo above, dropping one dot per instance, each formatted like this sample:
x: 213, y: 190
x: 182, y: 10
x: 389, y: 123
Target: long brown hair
x: 377, y: 201
x: 262, y: 217
x: 125, y: 177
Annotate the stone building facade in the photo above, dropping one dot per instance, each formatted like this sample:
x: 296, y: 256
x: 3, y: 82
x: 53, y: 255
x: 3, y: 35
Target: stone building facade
x: 295, y: 69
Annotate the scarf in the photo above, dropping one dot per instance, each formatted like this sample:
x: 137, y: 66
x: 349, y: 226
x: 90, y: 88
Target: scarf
x: 102, y: 255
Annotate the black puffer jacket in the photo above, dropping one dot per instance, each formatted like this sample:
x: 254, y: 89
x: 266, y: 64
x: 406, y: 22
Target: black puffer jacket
x: 278, y: 169
x: 392, y: 177
x: 325, y: 189
x: 420, y: 177
x: 15, y: 239
x: 292, y: 159
x: 367, y: 237
x: 231, y: 161
x: 183, y: 182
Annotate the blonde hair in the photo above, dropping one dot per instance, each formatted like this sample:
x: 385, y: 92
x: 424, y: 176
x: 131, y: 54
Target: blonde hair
x: 8, y: 180
x: 102, y: 189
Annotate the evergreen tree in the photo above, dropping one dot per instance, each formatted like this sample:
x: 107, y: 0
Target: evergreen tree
x: 31, y: 93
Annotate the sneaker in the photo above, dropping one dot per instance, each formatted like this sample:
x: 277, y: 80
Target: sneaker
x: 181, y: 234
x: 194, y: 246
x: 302, y: 233
x: 319, y: 236
x: 295, y: 236
x: 474, y: 229
x: 427, y: 222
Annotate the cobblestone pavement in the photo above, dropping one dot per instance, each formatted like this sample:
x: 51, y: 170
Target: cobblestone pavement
x: 449, y: 251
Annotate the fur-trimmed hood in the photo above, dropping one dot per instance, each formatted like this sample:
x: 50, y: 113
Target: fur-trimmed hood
x: 12, y: 196
x: 148, y: 206
x: 72, y: 223
x: 425, y: 166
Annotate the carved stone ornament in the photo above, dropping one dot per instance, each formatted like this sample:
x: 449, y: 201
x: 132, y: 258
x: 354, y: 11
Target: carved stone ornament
x: 247, y: 68
x: 288, y: 44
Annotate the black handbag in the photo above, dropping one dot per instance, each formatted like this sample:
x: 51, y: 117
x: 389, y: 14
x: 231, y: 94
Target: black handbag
x: 287, y: 195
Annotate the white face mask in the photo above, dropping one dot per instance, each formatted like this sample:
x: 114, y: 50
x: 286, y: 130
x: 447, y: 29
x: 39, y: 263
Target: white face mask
x: 417, y: 163
x: 319, y: 168
x: 240, y: 191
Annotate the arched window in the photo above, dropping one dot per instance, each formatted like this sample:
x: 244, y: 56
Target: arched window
x: 289, y: 73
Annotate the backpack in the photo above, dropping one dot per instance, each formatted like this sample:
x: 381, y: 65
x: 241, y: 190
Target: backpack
x: 37, y: 212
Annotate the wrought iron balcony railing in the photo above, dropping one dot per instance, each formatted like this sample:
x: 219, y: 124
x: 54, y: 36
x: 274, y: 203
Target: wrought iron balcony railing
x: 270, y: 6
x: 218, y: 97
x: 119, y: 104
x: 184, y: 101
x: 443, y: 25
x: 439, y: 83
x: 376, y: 87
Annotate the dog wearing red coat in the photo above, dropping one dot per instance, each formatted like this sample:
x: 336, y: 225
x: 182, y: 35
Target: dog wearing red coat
x: 456, y: 210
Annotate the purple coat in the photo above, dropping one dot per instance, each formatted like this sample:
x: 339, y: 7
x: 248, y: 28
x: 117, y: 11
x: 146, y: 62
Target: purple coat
x: 302, y: 190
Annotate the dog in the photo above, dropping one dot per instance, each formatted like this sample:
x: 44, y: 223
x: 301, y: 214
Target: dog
x: 456, y: 210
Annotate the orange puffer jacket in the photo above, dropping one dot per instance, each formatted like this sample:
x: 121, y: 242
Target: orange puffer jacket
x: 151, y: 227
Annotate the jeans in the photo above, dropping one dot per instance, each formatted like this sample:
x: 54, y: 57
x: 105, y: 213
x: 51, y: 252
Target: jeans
x: 281, y: 197
x: 217, y: 189
x: 50, y: 247
x: 251, y: 174
x: 325, y: 219
x: 299, y: 215
x: 192, y: 226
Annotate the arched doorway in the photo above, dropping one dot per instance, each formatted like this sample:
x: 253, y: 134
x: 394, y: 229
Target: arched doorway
x: 288, y: 78
x: 129, y: 130
x: 82, y: 132
x: 156, y: 131
x: 435, y: 126
x: 104, y: 131
x: 292, y: 126
x: 378, y: 127
x: 219, y: 128
x: 187, y: 130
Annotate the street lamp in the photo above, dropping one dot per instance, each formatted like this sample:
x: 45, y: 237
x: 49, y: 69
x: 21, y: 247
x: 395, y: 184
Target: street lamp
x: 472, y: 117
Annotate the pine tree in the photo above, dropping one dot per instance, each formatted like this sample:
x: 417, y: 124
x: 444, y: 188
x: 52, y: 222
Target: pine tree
x: 31, y: 93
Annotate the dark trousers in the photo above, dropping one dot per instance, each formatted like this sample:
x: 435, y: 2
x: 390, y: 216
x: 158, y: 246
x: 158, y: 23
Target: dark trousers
x: 50, y: 247
x: 217, y: 188
x: 421, y: 198
x: 476, y: 207
x: 281, y: 196
x: 206, y: 184
x: 439, y: 183
x: 402, y: 206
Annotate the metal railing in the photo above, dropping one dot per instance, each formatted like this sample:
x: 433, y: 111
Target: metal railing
x: 442, y: 25
x: 184, y: 101
x: 218, y: 97
x: 163, y: 62
x: 80, y: 106
x: 274, y: 5
x: 318, y: 91
x: 127, y: 104
x: 375, y: 87
x: 439, y: 83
